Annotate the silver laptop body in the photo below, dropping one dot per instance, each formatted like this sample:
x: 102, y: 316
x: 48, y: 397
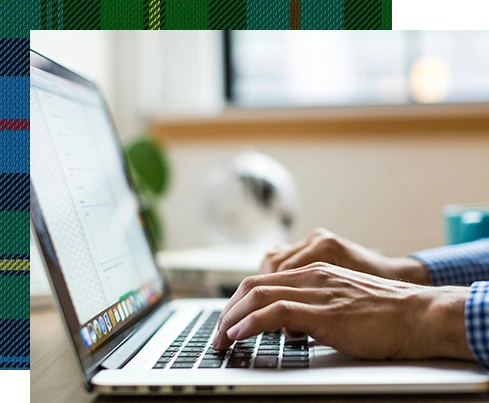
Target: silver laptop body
x: 127, y: 335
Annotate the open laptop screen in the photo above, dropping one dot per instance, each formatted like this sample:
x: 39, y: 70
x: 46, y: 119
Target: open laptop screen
x: 91, y: 216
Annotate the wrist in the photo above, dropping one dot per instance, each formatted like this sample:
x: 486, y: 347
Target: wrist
x: 444, y: 324
x: 411, y: 270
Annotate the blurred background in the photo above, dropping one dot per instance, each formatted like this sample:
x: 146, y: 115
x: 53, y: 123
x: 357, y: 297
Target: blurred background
x: 379, y: 130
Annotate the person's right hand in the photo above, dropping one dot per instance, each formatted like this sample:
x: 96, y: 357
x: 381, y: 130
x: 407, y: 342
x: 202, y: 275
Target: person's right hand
x: 321, y: 245
x: 355, y: 313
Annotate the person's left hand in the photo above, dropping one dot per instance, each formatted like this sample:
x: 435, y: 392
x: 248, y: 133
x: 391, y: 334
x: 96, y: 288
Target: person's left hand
x: 356, y: 313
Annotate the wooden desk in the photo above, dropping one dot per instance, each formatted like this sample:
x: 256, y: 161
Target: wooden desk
x: 54, y: 377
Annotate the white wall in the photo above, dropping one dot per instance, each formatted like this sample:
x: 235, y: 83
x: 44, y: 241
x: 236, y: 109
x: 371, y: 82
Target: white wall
x: 386, y: 194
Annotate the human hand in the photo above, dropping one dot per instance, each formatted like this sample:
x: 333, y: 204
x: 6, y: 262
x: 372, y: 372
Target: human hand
x: 321, y: 245
x: 356, y: 313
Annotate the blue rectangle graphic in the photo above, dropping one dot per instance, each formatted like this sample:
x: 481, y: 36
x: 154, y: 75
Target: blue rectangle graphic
x: 14, y: 99
x: 14, y: 157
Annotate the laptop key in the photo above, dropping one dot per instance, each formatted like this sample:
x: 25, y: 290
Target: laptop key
x: 192, y: 349
x: 182, y: 365
x: 189, y: 354
x: 296, y: 347
x: 266, y: 361
x: 267, y: 352
x: 297, y: 353
x: 245, y: 344
x: 295, y: 364
x: 269, y: 342
x: 196, y: 344
x: 213, y: 350
x: 296, y: 340
x: 286, y: 358
x: 269, y: 347
x: 199, y: 340
x: 213, y: 357
x: 243, y: 349
x: 185, y: 359
x: 210, y: 364
x: 241, y: 355
x: 238, y: 363
x: 160, y: 365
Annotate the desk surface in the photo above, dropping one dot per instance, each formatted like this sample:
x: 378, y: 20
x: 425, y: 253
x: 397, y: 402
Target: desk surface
x: 55, y: 379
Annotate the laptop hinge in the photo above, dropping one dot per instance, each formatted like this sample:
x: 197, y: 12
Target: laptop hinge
x: 136, y: 341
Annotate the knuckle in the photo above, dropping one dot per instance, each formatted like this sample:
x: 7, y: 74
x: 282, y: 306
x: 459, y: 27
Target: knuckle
x: 329, y: 243
x: 275, y: 260
x: 318, y: 231
x: 284, y: 266
x: 259, y: 293
x: 270, y: 255
x: 318, y: 270
x: 281, y: 308
x: 248, y: 283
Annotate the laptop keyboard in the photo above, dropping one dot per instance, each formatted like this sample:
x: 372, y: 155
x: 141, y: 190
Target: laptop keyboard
x: 268, y: 350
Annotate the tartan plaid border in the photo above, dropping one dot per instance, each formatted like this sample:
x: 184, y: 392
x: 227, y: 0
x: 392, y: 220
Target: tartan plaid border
x: 22, y: 16
x: 14, y: 204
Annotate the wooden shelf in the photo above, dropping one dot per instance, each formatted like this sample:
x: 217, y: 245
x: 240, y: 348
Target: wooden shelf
x: 323, y: 123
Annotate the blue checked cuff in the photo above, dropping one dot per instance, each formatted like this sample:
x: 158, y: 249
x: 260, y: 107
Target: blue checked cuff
x: 477, y: 321
x: 460, y: 264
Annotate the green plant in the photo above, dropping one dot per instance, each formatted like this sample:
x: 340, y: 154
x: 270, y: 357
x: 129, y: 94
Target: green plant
x: 149, y: 168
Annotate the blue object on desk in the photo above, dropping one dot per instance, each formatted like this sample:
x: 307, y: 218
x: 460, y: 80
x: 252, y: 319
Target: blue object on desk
x: 465, y: 223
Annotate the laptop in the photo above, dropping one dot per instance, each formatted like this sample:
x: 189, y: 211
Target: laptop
x: 127, y: 334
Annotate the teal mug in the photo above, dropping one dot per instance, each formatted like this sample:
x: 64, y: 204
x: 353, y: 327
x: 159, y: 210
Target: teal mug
x: 466, y: 222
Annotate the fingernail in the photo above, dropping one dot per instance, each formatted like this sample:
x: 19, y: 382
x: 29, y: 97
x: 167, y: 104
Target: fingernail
x: 216, y: 339
x: 233, y: 332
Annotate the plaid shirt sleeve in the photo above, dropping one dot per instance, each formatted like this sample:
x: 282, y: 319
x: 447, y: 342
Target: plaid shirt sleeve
x: 465, y: 264
x: 460, y: 264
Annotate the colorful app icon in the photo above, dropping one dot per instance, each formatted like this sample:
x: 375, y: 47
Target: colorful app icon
x: 107, y: 322
x: 126, y: 310
x: 139, y: 300
x: 91, y: 332
x: 87, y: 341
x: 116, y: 314
x: 97, y: 328
x: 103, y: 326
x: 121, y: 311
x: 144, y: 292
x: 132, y: 300
x: 112, y: 318
x: 130, y: 308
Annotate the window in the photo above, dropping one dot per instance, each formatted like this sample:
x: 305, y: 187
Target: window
x: 343, y: 68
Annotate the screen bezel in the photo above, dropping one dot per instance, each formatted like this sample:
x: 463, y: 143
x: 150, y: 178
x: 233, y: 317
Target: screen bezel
x: 88, y: 360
